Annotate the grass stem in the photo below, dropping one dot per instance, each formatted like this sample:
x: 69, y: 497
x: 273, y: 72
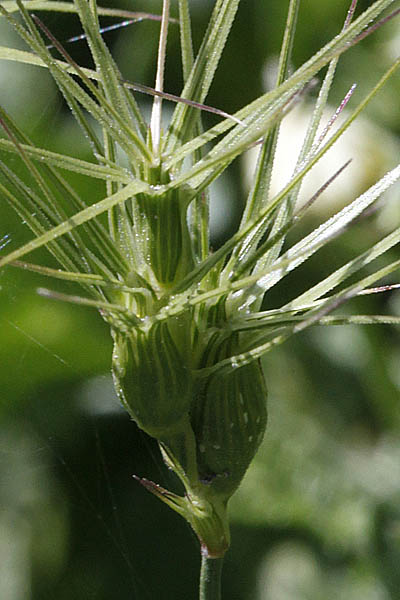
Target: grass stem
x: 210, y: 578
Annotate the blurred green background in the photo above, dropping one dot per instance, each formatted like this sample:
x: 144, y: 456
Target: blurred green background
x: 318, y: 515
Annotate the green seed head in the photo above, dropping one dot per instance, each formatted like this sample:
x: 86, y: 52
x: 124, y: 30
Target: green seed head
x: 153, y: 379
x: 218, y: 421
x: 182, y: 315
x: 229, y: 419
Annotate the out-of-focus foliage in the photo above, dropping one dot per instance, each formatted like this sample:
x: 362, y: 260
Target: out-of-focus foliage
x: 318, y: 514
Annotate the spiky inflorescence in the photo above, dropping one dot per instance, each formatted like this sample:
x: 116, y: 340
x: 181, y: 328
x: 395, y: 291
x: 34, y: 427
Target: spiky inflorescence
x: 187, y: 324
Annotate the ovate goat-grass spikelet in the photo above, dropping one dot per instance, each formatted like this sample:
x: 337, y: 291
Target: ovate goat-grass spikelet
x: 187, y: 323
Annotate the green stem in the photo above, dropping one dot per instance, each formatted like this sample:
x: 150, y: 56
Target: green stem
x: 210, y: 578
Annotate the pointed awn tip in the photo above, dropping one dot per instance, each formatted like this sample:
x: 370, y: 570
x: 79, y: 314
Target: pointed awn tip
x: 145, y: 89
x: 138, y: 87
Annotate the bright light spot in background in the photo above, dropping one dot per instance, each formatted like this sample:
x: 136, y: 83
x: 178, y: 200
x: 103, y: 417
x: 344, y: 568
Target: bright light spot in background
x: 348, y: 346
x: 289, y: 572
x: 97, y: 396
x: 222, y: 209
x: 14, y: 562
x: 32, y: 512
x: 25, y: 91
x: 292, y: 572
x: 369, y: 159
